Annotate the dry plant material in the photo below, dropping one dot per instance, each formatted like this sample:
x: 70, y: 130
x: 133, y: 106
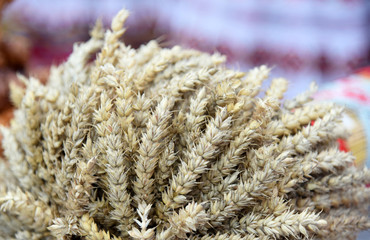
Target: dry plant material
x: 155, y: 143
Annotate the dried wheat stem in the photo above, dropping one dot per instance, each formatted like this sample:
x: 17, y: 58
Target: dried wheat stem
x: 111, y: 40
x: 331, y: 161
x: 302, y: 98
x: 157, y: 64
x: 75, y: 69
x: 195, y: 118
x: 188, y: 220
x: 17, y: 162
x: 76, y: 132
x: 81, y: 188
x: 322, y: 131
x: 337, y: 183
x: 351, y: 197
x: 254, y: 79
x: 89, y: 230
x: 165, y: 164
x: 65, y: 226
x: 248, y: 191
x: 344, y: 224
x: 198, y: 158
x: 153, y: 142
x: 288, y: 224
x: 277, y: 88
x: 229, y: 236
x: 33, y: 213
x: 146, y: 52
x: 144, y: 233
x: 117, y: 181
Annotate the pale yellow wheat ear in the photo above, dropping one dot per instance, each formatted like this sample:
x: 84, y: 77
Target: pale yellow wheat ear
x: 16, y: 94
x: 155, y: 143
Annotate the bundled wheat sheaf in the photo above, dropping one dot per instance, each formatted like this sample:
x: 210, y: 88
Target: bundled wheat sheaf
x: 156, y: 143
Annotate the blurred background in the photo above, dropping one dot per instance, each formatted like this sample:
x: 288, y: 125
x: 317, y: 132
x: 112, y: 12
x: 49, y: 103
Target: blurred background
x: 303, y: 40
x: 326, y: 41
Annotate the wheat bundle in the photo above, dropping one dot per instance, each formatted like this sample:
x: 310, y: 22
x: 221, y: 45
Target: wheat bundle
x: 156, y: 143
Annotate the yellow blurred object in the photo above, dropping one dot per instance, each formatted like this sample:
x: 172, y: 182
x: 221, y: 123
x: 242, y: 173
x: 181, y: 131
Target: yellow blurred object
x: 353, y: 92
x: 357, y: 141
